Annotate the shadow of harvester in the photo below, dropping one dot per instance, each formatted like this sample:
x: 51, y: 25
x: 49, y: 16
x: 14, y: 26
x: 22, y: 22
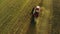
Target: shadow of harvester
x: 32, y: 26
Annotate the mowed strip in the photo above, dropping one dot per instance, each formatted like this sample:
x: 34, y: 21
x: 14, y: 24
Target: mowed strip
x: 43, y: 26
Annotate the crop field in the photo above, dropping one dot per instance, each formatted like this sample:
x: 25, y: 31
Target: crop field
x: 15, y: 17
